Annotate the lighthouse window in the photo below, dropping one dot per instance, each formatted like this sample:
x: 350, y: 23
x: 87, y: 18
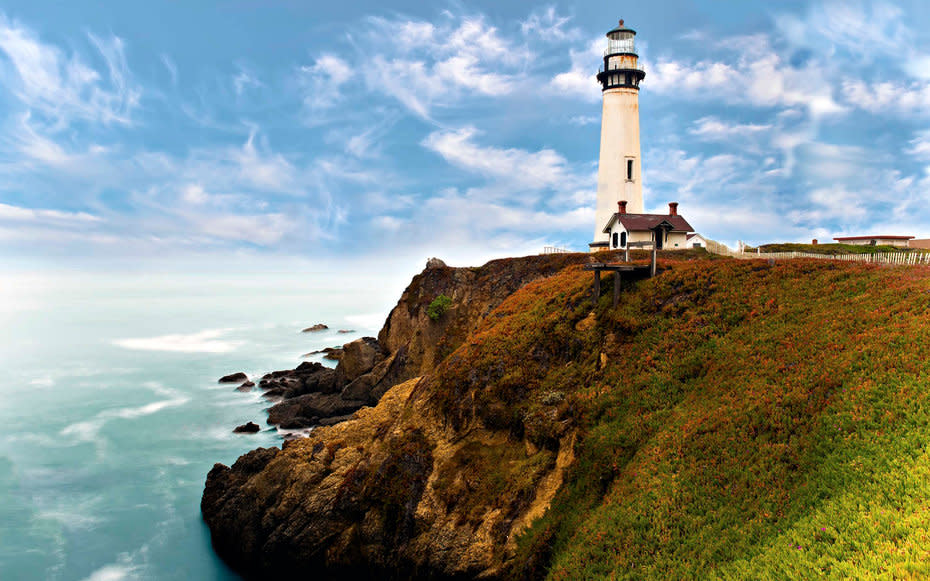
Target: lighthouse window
x: 629, y: 169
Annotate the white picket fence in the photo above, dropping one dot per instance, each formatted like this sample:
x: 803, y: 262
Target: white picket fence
x: 555, y: 250
x: 911, y: 258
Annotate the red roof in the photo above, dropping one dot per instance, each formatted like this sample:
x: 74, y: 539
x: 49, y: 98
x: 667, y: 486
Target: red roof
x: 876, y: 238
x: 649, y: 221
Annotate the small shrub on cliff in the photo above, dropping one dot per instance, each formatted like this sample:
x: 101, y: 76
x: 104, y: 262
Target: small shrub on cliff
x: 438, y: 307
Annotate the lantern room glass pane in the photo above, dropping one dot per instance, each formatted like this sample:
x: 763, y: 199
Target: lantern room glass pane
x: 619, y: 42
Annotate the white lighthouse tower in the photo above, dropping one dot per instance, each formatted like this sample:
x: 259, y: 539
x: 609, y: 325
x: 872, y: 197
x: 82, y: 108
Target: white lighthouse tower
x: 619, y: 173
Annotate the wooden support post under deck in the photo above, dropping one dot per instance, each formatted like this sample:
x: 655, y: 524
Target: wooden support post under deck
x: 597, y: 285
x: 616, y: 288
x: 626, y: 254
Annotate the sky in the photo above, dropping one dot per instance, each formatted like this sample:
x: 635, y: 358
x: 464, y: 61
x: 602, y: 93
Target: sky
x: 245, y: 136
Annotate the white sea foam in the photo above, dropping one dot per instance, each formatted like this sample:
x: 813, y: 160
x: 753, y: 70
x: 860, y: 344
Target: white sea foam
x: 88, y: 430
x: 202, y: 342
x: 114, y: 572
x: 70, y: 518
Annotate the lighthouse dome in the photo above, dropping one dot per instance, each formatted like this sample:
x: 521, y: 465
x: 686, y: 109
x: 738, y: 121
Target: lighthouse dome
x: 621, y: 28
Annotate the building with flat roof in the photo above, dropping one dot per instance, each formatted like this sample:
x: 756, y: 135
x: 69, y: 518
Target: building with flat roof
x: 899, y: 241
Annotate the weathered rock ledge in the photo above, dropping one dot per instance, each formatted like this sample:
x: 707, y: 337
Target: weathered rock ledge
x: 395, y: 491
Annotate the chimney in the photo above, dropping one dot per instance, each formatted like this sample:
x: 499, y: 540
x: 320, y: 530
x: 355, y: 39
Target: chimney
x: 622, y: 205
x: 814, y: 242
x: 673, y: 208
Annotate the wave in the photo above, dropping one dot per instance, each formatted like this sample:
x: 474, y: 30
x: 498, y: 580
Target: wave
x: 88, y: 430
x: 202, y: 342
x: 114, y: 572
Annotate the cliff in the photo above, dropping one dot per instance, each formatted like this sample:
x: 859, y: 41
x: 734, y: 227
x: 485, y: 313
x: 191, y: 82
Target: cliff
x: 730, y: 419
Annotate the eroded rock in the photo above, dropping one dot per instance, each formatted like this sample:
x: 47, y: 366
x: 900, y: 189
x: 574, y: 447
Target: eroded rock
x: 249, y: 428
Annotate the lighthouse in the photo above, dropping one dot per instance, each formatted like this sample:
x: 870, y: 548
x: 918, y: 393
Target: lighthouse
x: 619, y: 172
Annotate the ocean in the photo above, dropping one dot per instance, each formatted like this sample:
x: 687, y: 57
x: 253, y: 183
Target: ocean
x: 112, y: 415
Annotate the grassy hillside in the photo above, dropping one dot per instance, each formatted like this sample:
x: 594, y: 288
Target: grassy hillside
x: 729, y: 420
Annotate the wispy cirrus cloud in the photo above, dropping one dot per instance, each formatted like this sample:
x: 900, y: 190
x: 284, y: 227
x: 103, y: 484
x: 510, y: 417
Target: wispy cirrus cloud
x: 323, y: 81
x: 715, y: 129
x: 20, y: 214
x: 550, y: 26
x: 427, y: 64
x: 520, y: 169
x: 753, y: 73
x: 63, y: 89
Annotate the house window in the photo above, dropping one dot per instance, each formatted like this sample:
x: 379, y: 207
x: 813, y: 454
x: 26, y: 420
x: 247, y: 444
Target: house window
x: 616, y: 238
x: 696, y: 245
x: 629, y: 169
x: 622, y: 239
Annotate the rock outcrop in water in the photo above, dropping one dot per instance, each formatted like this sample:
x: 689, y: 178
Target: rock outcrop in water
x: 247, y: 428
x: 409, y: 345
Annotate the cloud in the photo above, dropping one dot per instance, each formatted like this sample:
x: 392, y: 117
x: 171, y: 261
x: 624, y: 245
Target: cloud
x: 689, y: 174
x: 714, y: 129
x: 171, y: 67
x: 519, y: 168
x: 888, y: 97
x: 583, y: 120
x: 580, y: 81
x: 438, y: 64
x: 463, y: 228
x: 194, y: 194
x: 753, y: 74
x: 20, y: 214
x: 263, y: 229
x: 920, y: 146
x: 547, y: 25
x: 245, y: 80
x: 412, y: 83
x: 323, y: 81
x: 66, y: 89
x: 862, y: 29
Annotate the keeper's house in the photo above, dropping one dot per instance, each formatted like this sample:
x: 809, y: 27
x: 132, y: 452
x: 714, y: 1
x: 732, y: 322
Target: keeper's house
x: 899, y: 241
x: 669, y: 231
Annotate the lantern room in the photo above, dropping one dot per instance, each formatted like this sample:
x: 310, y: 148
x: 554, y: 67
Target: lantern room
x: 621, y: 67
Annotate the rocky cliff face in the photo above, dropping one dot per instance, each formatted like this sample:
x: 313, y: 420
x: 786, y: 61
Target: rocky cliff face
x: 411, y: 487
x: 728, y: 418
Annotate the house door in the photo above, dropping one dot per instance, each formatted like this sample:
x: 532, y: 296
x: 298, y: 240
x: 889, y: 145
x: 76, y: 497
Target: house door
x: 658, y: 234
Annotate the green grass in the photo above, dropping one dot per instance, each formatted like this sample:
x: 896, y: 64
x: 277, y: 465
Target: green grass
x: 832, y: 249
x: 734, y: 420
